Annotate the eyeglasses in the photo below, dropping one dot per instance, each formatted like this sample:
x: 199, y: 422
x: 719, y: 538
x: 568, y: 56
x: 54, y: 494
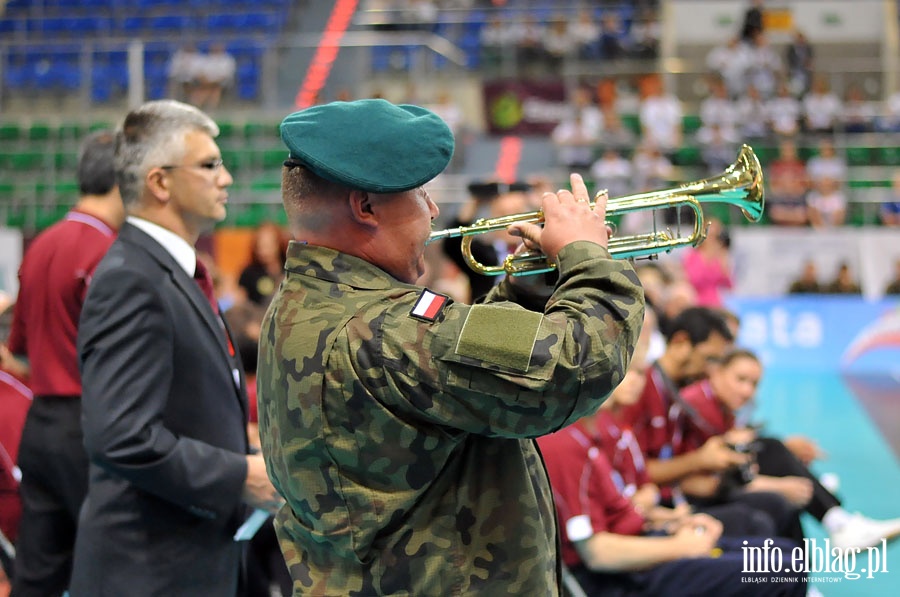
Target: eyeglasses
x: 211, y: 165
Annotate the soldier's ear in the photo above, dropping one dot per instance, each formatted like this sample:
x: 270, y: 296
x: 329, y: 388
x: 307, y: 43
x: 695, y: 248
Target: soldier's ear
x: 361, y: 208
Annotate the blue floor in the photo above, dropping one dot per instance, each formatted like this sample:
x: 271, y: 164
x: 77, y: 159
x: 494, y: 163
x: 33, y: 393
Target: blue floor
x: 822, y: 407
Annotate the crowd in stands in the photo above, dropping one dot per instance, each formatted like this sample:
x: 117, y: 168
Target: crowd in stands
x: 201, y: 78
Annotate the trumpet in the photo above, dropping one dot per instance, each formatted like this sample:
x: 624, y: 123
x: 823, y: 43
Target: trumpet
x: 741, y: 185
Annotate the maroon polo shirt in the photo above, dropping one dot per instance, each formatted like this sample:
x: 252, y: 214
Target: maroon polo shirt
x: 53, y: 281
x: 648, y: 418
x: 587, y: 500
x: 706, y: 417
x: 623, y: 452
x: 15, y: 398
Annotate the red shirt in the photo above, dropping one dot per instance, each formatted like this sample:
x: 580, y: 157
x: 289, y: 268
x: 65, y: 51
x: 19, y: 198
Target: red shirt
x: 705, y: 416
x: 53, y: 281
x: 623, y: 452
x: 15, y: 398
x: 586, y: 498
x: 652, y: 418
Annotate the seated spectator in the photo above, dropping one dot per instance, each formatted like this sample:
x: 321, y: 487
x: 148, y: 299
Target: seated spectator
x: 577, y: 135
x: 214, y: 74
x: 261, y: 276
x: 644, y: 34
x: 752, y: 115
x: 890, y: 208
x: 585, y: 32
x: 559, y: 43
x: 799, y: 60
x: 711, y: 406
x: 858, y: 114
x: 717, y: 109
x: 843, y: 282
x: 661, y: 116
x: 827, y: 163
x: 183, y: 72
x: 764, y: 66
x: 889, y: 121
x: 615, y: 133
x: 821, y: 108
x: 826, y: 203
x: 718, y: 147
x: 612, y: 42
x: 808, y: 280
x: 784, y: 112
x: 893, y: 287
x: 495, y: 38
x: 708, y: 266
x: 612, y: 172
x: 730, y: 62
x: 617, y: 540
x: 528, y: 37
x: 788, y: 185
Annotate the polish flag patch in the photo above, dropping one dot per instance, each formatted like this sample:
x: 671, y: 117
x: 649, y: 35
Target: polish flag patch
x: 429, y: 305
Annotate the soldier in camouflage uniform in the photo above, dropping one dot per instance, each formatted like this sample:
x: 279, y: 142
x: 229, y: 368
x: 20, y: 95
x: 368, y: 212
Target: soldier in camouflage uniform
x: 399, y: 425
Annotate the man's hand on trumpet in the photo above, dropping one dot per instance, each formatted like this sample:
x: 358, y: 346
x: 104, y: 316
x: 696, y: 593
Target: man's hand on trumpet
x: 568, y: 217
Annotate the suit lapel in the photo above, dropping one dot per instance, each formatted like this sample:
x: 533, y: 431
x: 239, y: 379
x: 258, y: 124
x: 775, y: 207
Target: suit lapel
x: 189, y: 287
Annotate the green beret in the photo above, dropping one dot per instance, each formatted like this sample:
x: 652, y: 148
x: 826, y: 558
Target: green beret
x: 371, y: 144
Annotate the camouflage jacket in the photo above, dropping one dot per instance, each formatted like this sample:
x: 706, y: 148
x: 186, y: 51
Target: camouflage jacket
x: 404, y: 446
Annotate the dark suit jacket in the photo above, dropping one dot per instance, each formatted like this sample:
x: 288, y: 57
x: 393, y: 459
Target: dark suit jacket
x: 164, y: 416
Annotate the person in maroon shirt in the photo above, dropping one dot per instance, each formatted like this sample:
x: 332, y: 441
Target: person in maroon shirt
x: 53, y: 281
x: 710, y: 406
x: 612, y: 548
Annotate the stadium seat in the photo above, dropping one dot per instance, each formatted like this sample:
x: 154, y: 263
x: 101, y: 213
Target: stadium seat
x: 10, y: 131
x: 858, y: 156
x: 889, y: 155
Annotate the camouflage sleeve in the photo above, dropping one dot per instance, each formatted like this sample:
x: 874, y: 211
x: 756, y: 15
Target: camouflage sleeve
x: 499, y: 369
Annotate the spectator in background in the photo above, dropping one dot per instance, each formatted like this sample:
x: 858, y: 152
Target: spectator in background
x: 613, y: 172
x: 661, y: 116
x: 752, y: 115
x: 843, y: 282
x: 615, y: 133
x: 826, y: 203
x: 529, y: 36
x: 612, y: 36
x: 827, y: 164
x: 261, y: 276
x: 753, y: 20
x: 53, y: 281
x: 858, y: 114
x: 890, y: 207
x: 821, y: 108
x: 764, y: 66
x: 889, y: 122
x: 718, y: 109
x: 644, y: 34
x: 798, y: 56
x: 559, y: 43
x: 183, y: 68
x: 808, y: 280
x: 784, y: 112
x: 495, y: 37
x: 730, y: 62
x: 708, y: 266
x: 577, y: 135
x: 215, y: 73
x: 718, y: 147
x: 585, y: 32
x: 788, y: 185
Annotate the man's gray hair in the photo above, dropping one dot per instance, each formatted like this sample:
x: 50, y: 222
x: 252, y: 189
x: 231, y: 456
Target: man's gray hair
x: 151, y: 136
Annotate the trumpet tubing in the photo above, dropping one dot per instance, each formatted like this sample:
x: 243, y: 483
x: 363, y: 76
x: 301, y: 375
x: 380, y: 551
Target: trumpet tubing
x: 741, y: 185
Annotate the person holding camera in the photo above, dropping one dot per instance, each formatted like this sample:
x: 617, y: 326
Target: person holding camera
x: 711, y: 406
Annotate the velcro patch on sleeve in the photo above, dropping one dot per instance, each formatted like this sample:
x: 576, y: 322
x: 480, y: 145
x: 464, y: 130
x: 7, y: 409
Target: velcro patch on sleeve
x: 429, y: 305
x: 500, y: 336
x: 578, y: 528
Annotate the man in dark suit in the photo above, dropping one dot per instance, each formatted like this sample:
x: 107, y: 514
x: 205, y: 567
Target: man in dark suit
x: 164, y: 396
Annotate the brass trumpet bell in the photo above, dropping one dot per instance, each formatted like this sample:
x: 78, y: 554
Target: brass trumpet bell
x: 741, y: 184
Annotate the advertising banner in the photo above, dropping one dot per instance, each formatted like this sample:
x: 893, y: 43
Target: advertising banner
x: 524, y: 107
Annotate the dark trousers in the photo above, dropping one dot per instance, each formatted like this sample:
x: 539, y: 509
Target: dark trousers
x: 758, y: 513
x: 54, y: 483
x: 776, y: 460
x: 721, y: 576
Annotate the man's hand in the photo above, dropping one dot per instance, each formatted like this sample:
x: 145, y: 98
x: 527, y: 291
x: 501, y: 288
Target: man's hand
x: 13, y: 365
x: 567, y: 218
x: 258, y: 490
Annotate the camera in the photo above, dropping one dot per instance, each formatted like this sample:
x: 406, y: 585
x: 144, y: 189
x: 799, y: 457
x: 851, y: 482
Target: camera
x: 745, y: 473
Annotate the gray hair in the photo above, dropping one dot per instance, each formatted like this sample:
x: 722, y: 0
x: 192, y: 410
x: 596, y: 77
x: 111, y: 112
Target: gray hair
x: 152, y: 135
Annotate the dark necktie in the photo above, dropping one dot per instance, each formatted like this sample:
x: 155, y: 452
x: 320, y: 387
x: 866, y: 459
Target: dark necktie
x: 205, y: 282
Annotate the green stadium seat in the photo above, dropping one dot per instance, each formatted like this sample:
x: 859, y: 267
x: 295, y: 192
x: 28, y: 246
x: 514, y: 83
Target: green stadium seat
x: 10, y: 132
x: 64, y: 189
x: 7, y: 192
x: 632, y: 122
x: 889, y: 155
x: 26, y: 160
x: 70, y: 131
x: 690, y: 123
x: 858, y: 156
x: 39, y: 131
x: 258, y: 130
x: 274, y: 158
x: 65, y: 160
x: 265, y: 185
x: 687, y: 156
x: 226, y: 130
